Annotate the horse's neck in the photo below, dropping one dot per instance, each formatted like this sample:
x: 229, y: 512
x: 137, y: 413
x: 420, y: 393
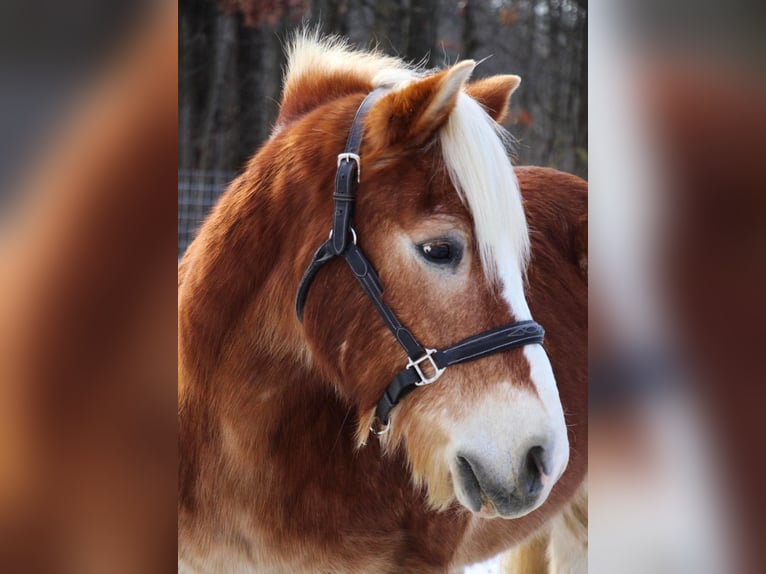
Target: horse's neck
x: 238, y: 338
x: 233, y: 300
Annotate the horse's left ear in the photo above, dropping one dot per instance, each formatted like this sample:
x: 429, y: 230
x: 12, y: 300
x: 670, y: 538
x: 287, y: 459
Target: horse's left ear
x: 413, y: 114
x: 494, y: 94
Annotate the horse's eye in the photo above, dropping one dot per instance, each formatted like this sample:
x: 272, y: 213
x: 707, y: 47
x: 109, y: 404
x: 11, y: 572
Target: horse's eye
x: 441, y: 252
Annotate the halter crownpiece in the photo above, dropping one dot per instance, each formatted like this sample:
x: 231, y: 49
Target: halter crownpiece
x: 425, y: 365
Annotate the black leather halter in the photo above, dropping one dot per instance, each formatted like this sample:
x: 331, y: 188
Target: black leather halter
x: 425, y: 365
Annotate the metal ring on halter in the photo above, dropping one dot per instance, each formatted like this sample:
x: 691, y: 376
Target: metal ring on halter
x: 378, y: 431
x: 353, y: 235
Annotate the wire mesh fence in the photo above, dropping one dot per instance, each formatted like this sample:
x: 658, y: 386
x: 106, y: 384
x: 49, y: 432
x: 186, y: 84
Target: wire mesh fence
x: 198, y: 191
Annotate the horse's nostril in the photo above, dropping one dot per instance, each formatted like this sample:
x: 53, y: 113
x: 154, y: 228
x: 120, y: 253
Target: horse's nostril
x: 534, y: 469
x: 470, y: 483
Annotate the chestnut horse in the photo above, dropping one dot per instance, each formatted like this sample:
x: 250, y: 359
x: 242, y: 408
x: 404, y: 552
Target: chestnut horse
x: 279, y: 471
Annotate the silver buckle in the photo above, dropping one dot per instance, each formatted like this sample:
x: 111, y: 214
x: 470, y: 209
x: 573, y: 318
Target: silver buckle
x: 354, y: 157
x: 425, y: 380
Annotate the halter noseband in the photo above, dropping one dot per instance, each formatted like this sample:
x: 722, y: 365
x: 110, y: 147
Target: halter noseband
x: 425, y: 365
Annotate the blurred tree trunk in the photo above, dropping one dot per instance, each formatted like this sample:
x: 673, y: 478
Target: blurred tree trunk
x: 581, y: 132
x: 422, y: 31
x: 329, y: 12
x: 185, y: 91
x: 390, y: 30
x: 214, y: 118
x: 469, y: 38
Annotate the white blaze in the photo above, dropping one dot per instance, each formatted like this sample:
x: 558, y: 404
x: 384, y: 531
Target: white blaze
x: 476, y: 156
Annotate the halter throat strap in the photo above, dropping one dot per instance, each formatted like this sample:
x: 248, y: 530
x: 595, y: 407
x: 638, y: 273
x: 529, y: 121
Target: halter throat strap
x: 425, y: 365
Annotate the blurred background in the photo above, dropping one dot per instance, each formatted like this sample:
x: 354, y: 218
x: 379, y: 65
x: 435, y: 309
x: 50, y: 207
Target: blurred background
x: 677, y: 230
x: 88, y: 254
x: 231, y: 60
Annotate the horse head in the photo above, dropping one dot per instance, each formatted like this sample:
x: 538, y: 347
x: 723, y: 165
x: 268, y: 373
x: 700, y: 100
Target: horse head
x: 439, y: 215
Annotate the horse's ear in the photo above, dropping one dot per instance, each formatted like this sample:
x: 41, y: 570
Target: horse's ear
x: 413, y: 114
x: 494, y: 94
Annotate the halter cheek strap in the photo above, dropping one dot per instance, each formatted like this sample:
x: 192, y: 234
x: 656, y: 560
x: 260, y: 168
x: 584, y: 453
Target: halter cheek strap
x: 425, y: 366
x: 347, y: 179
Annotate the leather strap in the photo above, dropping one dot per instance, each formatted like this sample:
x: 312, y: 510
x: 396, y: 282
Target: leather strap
x: 348, y: 175
x: 322, y: 256
x: 505, y: 338
x: 502, y: 339
x: 346, y: 182
x: 368, y: 278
